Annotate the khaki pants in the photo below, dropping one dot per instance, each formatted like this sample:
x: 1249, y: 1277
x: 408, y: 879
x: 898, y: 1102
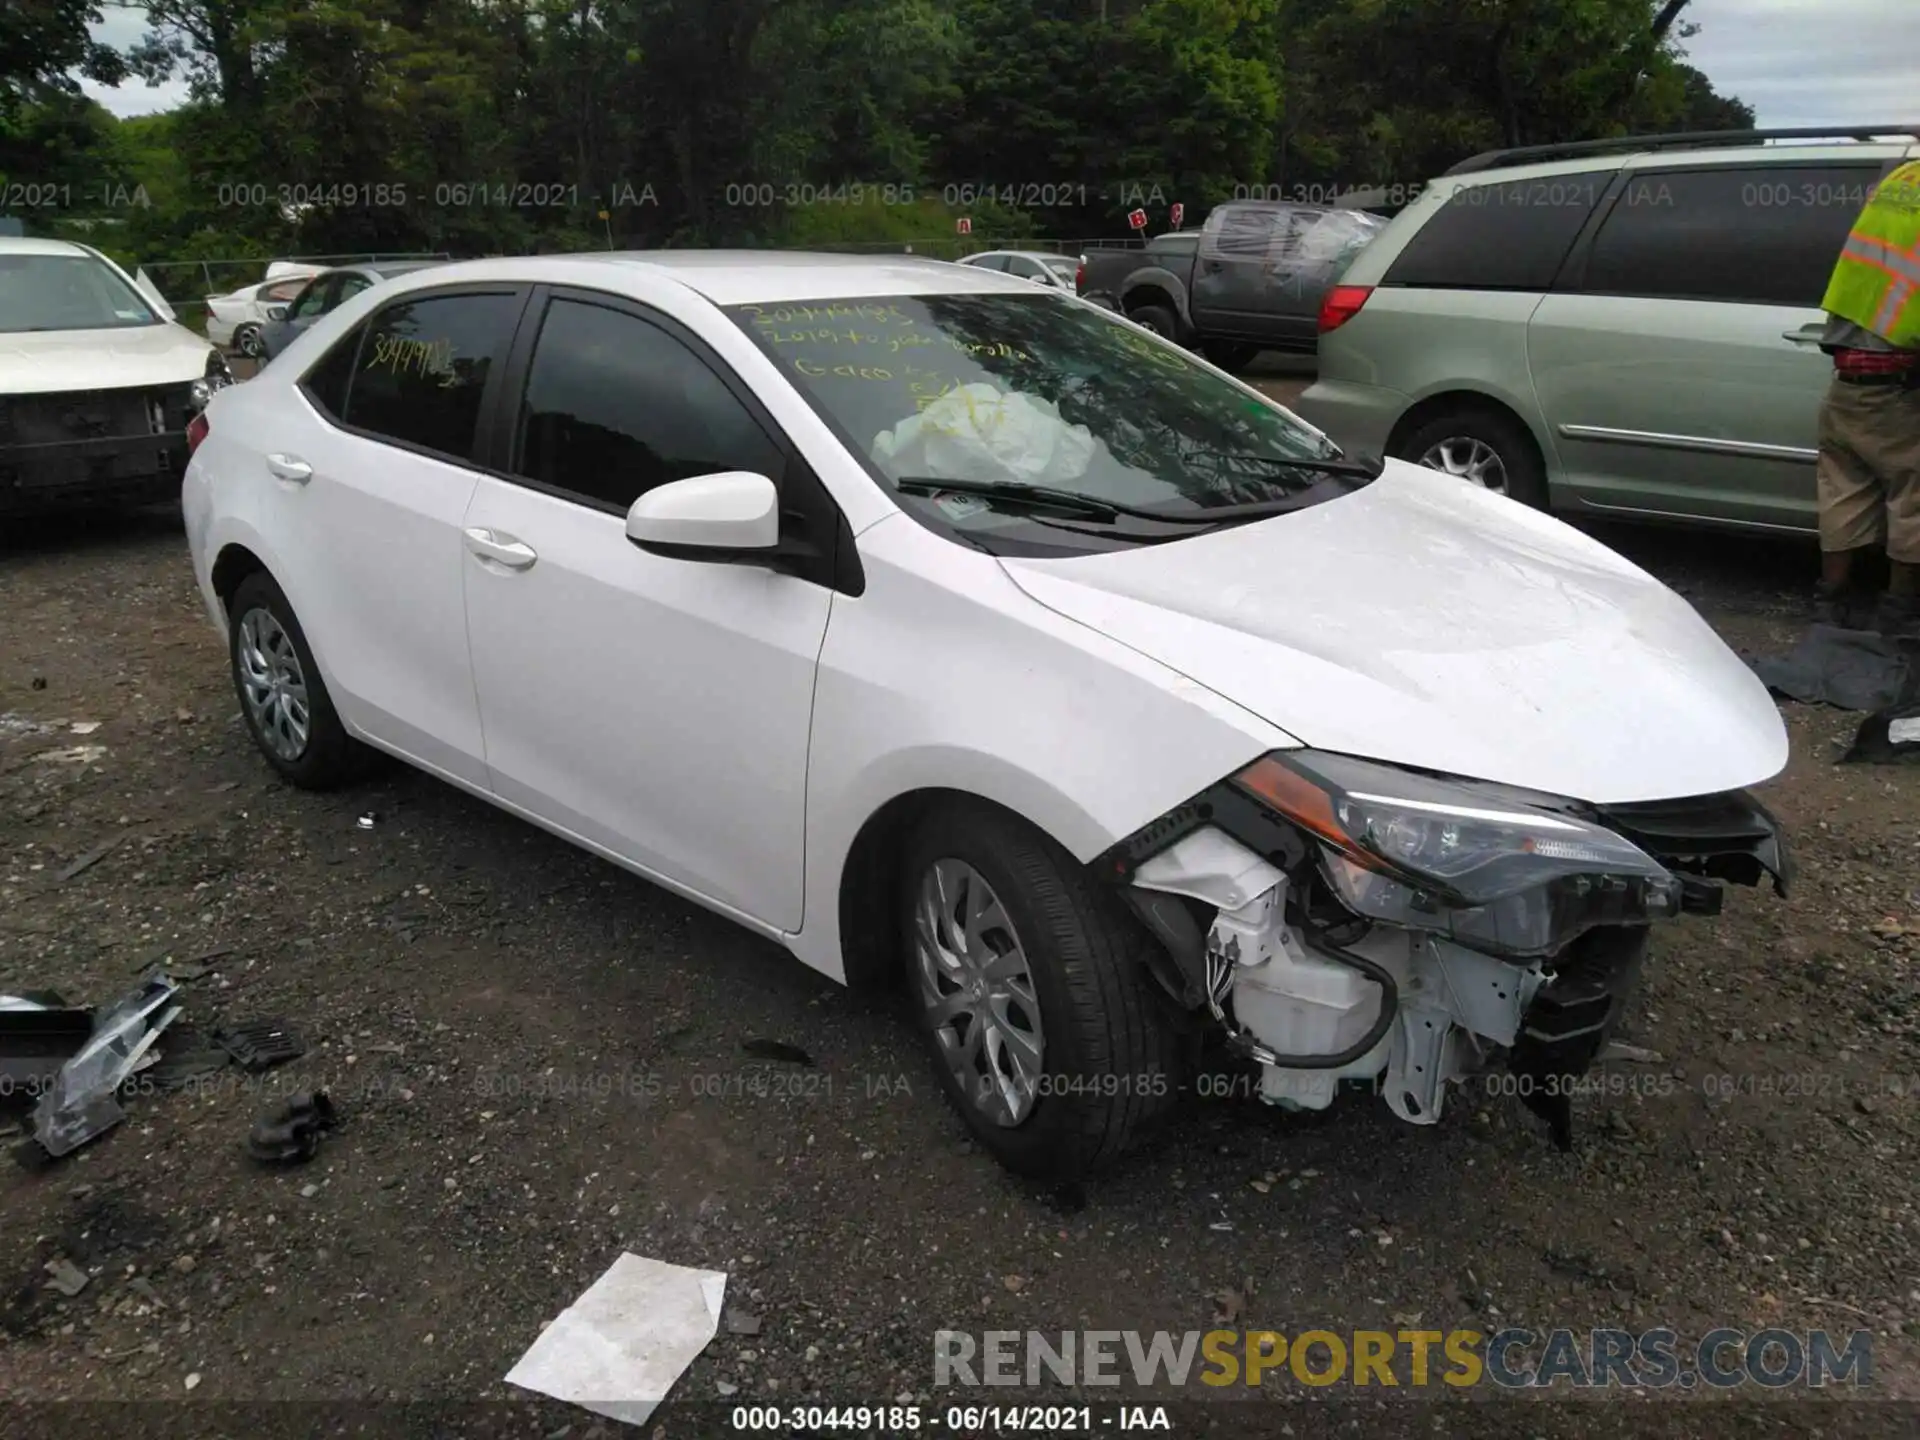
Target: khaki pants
x: 1869, y: 474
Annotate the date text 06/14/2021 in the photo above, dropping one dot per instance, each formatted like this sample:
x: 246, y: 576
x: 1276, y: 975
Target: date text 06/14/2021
x: 950, y: 1419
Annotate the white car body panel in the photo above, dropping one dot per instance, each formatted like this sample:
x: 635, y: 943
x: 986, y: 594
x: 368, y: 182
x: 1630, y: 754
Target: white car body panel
x: 1440, y: 628
x: 58, y: 360
x: 943, y: 676
x: 1428, y: 622
x: 250, y: 303
x: 129, y: 357
x: 687, y: 757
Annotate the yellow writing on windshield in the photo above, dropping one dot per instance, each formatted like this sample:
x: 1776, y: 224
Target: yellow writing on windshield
x: 817, y: 314
x: 843, y: 372
x: 405, y: 356
x: 1158, y: 356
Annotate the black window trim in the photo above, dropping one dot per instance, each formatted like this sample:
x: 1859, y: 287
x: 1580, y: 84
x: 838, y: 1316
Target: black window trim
x: 1576, y: 249
x: 496, y: 372
x: 836, y: 568
x: 1572, y: 279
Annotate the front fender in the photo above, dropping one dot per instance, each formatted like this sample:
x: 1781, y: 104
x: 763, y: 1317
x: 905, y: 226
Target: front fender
x: 946, y: 676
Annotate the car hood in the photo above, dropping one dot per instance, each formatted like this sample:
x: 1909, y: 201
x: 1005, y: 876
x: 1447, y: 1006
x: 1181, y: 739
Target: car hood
x: 1426, y: 622
x: 47, y: 361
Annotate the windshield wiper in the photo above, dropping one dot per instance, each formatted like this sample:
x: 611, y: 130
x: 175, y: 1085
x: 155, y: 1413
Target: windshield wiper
x: 1046, y: 497
x: 1367, y: 467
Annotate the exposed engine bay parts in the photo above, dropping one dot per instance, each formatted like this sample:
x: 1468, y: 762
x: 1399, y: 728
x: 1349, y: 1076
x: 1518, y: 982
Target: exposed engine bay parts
x: 1345, y: 920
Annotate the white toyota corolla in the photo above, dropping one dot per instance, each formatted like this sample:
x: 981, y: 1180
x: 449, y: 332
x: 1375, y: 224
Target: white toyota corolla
x: 959, y: 634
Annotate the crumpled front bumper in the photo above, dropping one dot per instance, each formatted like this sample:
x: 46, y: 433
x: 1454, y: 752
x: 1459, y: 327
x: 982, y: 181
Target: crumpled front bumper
x: 1408, y: 1011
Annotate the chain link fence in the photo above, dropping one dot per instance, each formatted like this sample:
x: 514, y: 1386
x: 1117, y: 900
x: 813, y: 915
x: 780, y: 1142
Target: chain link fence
x: 186, y: 284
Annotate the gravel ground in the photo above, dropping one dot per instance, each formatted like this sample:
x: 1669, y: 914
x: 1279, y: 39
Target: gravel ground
x: 541, y: 1062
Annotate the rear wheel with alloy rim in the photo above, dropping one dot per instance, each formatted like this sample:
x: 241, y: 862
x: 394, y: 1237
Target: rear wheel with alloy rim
x: 249, y: 342
x: 1029, y: 984
x: 1484, y: 448
x: 282, y: 697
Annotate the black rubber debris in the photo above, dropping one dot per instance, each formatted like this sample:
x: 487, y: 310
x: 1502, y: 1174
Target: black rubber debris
x: 290, y: 1133
x: 34, y: 1044
x: 777, y: 1050
x: 187, y: 1058
x: 262, y: 1044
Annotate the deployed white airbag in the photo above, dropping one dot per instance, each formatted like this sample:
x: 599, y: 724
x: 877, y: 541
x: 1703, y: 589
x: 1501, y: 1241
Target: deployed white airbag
x: 976, y: 432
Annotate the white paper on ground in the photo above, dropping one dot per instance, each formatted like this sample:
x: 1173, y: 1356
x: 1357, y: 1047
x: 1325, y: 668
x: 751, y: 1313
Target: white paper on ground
x: 618, y: 1349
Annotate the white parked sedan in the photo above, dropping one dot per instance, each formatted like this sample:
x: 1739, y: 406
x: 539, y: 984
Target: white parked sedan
x: 236, y: 321
x: 97, y: 381
x: 957, y: 634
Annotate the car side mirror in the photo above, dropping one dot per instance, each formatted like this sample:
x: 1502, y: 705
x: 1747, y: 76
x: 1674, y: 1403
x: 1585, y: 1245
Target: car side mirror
x: 276, y: 312
x: 730, y: 516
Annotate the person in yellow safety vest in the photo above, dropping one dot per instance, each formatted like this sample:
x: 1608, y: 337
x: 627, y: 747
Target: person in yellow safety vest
x: 1868, y: 479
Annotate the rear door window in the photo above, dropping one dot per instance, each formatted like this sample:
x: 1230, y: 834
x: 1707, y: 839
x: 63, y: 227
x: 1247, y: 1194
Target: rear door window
x: 1739, y: 234
x: 422, y: 369
x: 1511, y: 235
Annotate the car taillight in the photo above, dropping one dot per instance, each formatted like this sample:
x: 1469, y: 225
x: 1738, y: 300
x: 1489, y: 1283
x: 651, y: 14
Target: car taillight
x: 1080, y: 276
x: 1341, y: 304
x: 197, y: 429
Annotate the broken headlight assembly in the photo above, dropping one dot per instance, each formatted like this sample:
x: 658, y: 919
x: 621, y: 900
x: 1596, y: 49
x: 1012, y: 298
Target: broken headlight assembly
x: 218, y: 376
x: 1487, y: 867
x: 1351, y: 921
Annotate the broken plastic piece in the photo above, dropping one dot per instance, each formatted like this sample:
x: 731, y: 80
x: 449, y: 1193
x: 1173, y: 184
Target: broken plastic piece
x: 290, y: 1133
x: 80, y: 1103
x: 261, y: 1044
x: 68, y: 1278
x: 38, y: 1034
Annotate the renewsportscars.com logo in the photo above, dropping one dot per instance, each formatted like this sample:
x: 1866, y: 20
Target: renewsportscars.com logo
x: 1509, y: 1359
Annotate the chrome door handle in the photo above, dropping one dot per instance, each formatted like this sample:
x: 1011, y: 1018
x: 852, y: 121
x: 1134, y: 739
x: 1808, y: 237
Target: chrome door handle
x: 501, y: 549
x: 288, y: 467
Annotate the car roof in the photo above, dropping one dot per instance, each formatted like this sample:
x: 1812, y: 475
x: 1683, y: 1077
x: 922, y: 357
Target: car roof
x: 1686, y: 157
x: 751, y: 277
x: 28, y: 245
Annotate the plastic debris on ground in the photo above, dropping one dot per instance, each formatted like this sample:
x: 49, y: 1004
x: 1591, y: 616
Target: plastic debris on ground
x: 619, y: 1348
x: 38, y: 1034
x: 1848, y: 669
x: 290, y: 1133
x: 80, y: 1103
x: 261, y: 1044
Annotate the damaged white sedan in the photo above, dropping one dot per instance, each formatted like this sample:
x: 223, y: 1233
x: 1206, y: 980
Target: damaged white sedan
x: 964, y: 637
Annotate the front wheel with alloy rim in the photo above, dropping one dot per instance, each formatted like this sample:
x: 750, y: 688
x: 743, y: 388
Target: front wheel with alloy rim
x: 1482, y: 447
x: 1029, y: 984
x: 249, y: 342
x: 282, y: 697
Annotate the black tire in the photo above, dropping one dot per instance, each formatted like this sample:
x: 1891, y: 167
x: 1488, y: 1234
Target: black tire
x: 1111, y: 1059
x: 1159, y: 319
x: 1229, y: 355
x: 247, y: 340
x: 1526, y: 478
x: 331, y: 757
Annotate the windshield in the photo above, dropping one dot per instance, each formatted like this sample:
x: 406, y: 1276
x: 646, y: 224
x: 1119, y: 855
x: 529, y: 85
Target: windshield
x: 67, y: 292
x: 1031, y: 389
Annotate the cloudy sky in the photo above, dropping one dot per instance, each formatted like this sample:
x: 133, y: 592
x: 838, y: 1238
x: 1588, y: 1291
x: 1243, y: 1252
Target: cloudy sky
x: 1797, y: 62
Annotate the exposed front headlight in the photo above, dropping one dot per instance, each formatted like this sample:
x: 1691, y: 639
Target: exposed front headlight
x: 218, y: 376
x: 1469, y: 861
